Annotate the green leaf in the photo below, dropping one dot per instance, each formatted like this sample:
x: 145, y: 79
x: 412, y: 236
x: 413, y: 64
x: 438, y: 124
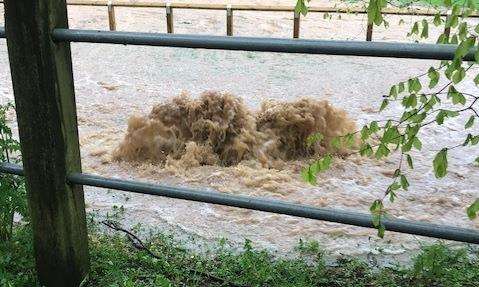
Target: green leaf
x: 308, y: 175
x: 397, y: 173
x: 313, y: 139
x: 373, y: 127
x: 318, y: 166
x: 376, y: 209
x: 462, y: 30
x: 451, y: 114
x: 301, y: 7
x: 336, y: 143
x: 440, y: 164
x: 425, y: 29
x: 404, y: 182
x: 454, y: 40
x: 432, y: 102
x: 414, y: 85
x: 442, y: 39
x: 390, y: 135
x: 382, y: 151
x: 454, y: 20
x: 473, y: 209
x: 384, y: 104
x: 456, y: 9
x: 459, y: 75
x: 471, y: 4
x: 423, y: 99
x: 457, y: 97
x: 437, y: 19
x: 476, y: 78
x: 440, y: 117
x: 394, y: 186
x: 475, y: 140
x: 365, y: 133
x: 381, y: 230
x: 448, y: 3
x: 470, y: 122
x: 464, y: 46
x: 409, y: 161
x: 418, y: 118
x: 415, y: 29
x: 433, y: 75
x: 392, y: 196
x: 417, y: 143
x: 326, y: 162
x: 349, y: 140
x: 468, y: 139
x: 366, y: 150
x: 410, y: 101
x: 393, y: 92
x: 401, y: 87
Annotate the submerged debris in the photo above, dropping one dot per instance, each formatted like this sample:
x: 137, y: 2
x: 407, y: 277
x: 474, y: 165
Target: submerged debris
x: 218, y: 129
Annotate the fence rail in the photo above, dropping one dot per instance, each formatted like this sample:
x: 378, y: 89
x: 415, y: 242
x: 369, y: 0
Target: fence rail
x: 273, y: 206
x: 229, y: 8
x: 42, y: 77
x: 277, y: 45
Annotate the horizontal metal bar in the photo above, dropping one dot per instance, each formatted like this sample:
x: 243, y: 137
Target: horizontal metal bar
x: 10, y: 168
x: 327, y: 47
x: 274, y: 206
x: 2, y: 32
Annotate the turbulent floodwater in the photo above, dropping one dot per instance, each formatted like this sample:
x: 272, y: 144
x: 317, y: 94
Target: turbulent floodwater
x: 116, y: 82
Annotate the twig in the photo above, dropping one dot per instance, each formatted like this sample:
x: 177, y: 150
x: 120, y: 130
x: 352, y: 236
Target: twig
x: 138, y: 244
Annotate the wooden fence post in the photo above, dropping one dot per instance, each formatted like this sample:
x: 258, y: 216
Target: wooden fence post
x: 229, y: 20
x: 111, y: 16
x: 369, y: 32
x: 169, y: 18
x: 297, y: 17
x: 47, y: 123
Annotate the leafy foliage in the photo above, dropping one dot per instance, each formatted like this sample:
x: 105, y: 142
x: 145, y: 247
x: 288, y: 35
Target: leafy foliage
x: 425, y: 101
x: 115, y: 263
x: 12, y: 188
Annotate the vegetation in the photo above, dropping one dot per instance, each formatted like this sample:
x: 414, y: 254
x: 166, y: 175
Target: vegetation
x: 161, y: 261
x: 427, y: 100
x: 116, y: 262
x: 12, y: 188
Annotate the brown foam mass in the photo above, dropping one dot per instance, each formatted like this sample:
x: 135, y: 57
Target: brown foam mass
x: 218, y: 129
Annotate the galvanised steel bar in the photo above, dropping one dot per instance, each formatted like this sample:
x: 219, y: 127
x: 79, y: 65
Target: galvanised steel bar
x: 2, y: 32
x: 11, y: 168
x: 327, y: 47
x: 274, y: 206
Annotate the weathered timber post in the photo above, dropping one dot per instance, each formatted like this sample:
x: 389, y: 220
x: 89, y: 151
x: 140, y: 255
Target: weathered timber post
x: 169, y: 18
x: 111, y: 16
x: 47, y: 123
x: 229, y: 20
x: 297, y: 20
x: 369, y: 32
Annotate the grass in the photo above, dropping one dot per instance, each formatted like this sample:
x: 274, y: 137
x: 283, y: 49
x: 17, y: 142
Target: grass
x: 115, y: 263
